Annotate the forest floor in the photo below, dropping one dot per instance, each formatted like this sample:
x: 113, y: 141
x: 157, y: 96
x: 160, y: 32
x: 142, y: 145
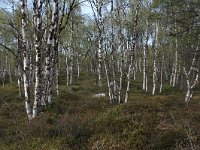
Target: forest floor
x: 78, y: 121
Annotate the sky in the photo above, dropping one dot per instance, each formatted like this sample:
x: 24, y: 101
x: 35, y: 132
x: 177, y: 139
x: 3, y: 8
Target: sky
x: 5, y: 5
x: 86, y: 9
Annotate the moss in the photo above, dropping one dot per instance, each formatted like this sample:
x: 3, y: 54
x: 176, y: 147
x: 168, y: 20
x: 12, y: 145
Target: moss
x: 77, y: 121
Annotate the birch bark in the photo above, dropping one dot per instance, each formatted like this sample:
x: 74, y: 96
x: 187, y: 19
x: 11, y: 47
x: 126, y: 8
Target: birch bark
x: 155, y: 59
x: 97, y: 7
x: 192, y: 76
x: 49, y: 54
x: 37, y: 21
x: 161, y: 72
x: 176, y: 60
x: 134, y: 38
x: 145, y: 49
x: 108, y: 81
x: 26, y: 60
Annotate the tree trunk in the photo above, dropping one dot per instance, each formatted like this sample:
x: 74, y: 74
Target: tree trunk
x: 176, y: 59
x: 26, y: 60
x: 134, y: 38
x: 161, y: 73
x: 108, y: 81
x: 37, y: 7
x: 192, y: 76
x: 49, y: 54
x: 155, y: 59
x: 145, y: 49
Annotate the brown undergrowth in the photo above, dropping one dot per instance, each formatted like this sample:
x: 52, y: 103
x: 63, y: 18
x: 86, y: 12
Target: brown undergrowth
x: 76, y: 121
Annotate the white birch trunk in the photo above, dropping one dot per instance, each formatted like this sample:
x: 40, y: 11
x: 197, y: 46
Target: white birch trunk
x: 55, y: 62
x: 18, y: 69
x: 26, y: 60
x: 145, y: 49
x: 134, y: 38
x: 71, y: 71
x: 9, y: 72
x: 67, y: 67
x: 174, y: 77
x: 57, y: 80
x: 155, y: 59
x: 128, y: 83
x: 108, y: 82
x: 49, y: 55
x: 113, y: 54
x: 140, y: 65
x: 178, y: 74
x: 121, y: 76
x: 99, y: 61
x: 161, y: 73
x: 99, y: 18
x: 192, y: 76
x: 171, y: 76
x: 191, y: 84
x: 176, y: 60
x: 133, y: 72
x: 19, y: 81
x: 37, y: 6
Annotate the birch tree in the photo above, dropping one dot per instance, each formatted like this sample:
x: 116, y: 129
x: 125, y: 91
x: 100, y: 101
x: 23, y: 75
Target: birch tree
x: 192, y: 75
x: 155, y: 69
x: 26, y: 59
x: 37, y: 21
x: 49, y: 54
x: 145, y: 49
x: 133, y: 45
x: 97, y: 7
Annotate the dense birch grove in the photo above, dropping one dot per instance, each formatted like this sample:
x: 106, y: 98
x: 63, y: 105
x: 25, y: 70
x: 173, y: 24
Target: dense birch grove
x: 154, y: 42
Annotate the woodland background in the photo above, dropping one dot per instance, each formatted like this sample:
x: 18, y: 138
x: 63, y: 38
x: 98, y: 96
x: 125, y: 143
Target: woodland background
x: 124, y: 76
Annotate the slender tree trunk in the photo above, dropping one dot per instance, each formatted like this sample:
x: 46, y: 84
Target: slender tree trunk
x: 176, y: 60
x: 192, y: 76
x: 37, y: 7
x: 161, y: 73
x: 178, y: 74
x: 26, y: 60
x: 57, y: 80
x: 71, y: 69
x: 99, y: 60
x: 121, y: 73
x: 71, y: 54
x: 100, y: 41
x: 18, y: 68
x: 130, y: 67
x: 4, y: 67
x: 56, y: 63
x: 145, y: 49
x: 67, y: 66
x: 19, y: 80
x: 108, y: 82
x: 155, y: 59
x: 9, y: 72
x: 140, y: 65
x: 174, y: 77
x: 191, y: 84
x: 49, y: 54
x: 113, y: 53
